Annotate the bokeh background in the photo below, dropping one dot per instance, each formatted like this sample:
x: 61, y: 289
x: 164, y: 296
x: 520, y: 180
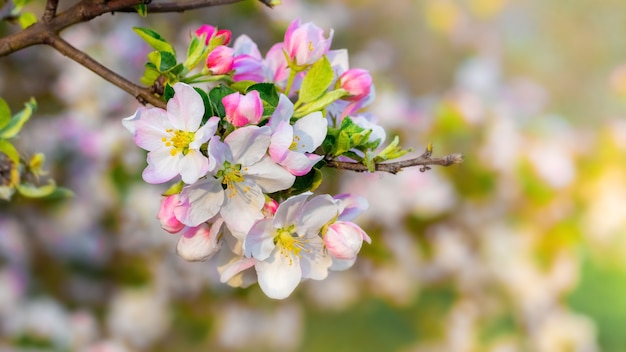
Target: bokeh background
x: 520, y: 248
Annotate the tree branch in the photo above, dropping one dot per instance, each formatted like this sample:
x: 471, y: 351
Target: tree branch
x: 51, y: 10
x: 423, y: 160
x: 143, y: 95
x: 181, y: 6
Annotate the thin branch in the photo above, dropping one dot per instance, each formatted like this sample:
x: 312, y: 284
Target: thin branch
x: 423, y: 160
x: 181, y: 6
x: 51, y: 10
x: 143, y: 95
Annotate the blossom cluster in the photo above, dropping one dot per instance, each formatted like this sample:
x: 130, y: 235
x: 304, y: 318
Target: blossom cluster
x: 246, y: 153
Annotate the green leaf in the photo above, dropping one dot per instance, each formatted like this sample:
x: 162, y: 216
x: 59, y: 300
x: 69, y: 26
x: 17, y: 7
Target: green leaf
x: 196, y: 52
x: 7, y: 148
x: 32, y: 191
x: 154, y: 40
x: 242, y: 86
x: 174, y: 189
x: 27, y: 19
x: 392, y: 151
x: 344, y: 143
x: 308, y: 182
x: 168, y: 92
x: 215, y: 96
x: 207, y: 105
x: 267, y: 92
x: 11, y: 129
x: 150, y: 75
x: 142, y: 10
x: 320, y: 103
x: 162, y: 60
x: 5, y: 113
x: 316, y: 81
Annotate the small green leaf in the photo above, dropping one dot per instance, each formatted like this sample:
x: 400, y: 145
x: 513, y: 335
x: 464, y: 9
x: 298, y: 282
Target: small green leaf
x: 32, y: 191
x: 392, y: 151
x: 316, y: 81
x: 215, y: 95
x: 196, y: 52
x: 150, y: 75
x: 11, y: 129
x: 8, y: 149
x: 320, y: 103
x: 5, y: 113
x: 142, y: 10
x: 174, y: 189
x: 168, y: 92
x: 343, y: 143
x: 207, y: 105
x: 154, y: 40
x: 27, y: 19
x: 168, y: 61
x: 267, y: 92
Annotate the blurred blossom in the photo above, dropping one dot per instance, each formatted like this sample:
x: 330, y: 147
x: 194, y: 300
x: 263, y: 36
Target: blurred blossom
x: 562, y: 330
x: 138, y: 316
x: 244, y: 327
x: 553, y: 163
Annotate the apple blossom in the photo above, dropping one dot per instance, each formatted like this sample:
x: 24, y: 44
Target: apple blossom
x: 305, y: 43
x: 199, y: 243
x: 288, y: 248
x: 242, y: 109
x: 173, y: 137
x: 235, y: 185
x: 275, y: 66
x: 247, y: 62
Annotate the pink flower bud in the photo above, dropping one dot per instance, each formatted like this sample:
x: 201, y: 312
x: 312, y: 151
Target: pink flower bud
x: 200, y: 242
x: 270, y: 206
x: 343, y: 239
x: 305, y: 43
x: 166, y: 216
x: 220, y: 60
x: 357, y: 82
x: 213, y: 36
x: 242, y: 110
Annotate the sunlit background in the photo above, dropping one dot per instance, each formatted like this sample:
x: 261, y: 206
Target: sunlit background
x: 520, y: 248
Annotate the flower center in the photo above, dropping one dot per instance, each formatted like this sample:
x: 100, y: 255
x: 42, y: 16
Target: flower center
x: 289, y: 242
x: 294, y: 143
x: 231, y: 175
x: 179, y: 141
x: 311, y: 48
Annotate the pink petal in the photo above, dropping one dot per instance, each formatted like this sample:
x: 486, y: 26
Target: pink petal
x: 186, y: 108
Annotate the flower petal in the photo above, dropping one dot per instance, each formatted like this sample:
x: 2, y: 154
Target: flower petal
x: 300, y: 164
x: 316, y: 213
x: 162, y: 166
x: 186, y: 108
x: 259, y: 242
x: 242, y: 207
x: 270, y: 176
x: 205, y: 132
x: 309, y: 132
x: 279, y: 275
x: 200, y: 202
x: 248, y: 144
x: 288, y: 211
x: 193, y: 166
x: 148, y: 127
x: 283, y: 112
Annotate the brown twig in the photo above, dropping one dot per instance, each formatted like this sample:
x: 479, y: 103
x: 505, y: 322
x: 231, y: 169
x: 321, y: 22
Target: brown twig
x: 181, y: 6
x: 424, y: 160
x: 51, y: 11
x: 143, y: 95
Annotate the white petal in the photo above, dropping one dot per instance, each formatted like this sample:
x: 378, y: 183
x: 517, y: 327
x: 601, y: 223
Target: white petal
x: 249, y: 144
x: 281, y: 141
x: 162, y: 166
x: 259, y: 242
x: 279, y: 275
x: 193, y: 166
x: 200, y: 202
x: 270, y: 176
x: 316, y: 213
x: 309, y: 132
x: 315, y: 262
x: 234, y: 268
x: 283, y: 112
x: 342, y: 264
x: 288, y: 211
x: 148, y: 127
x: 204, y: 133
x: 300, y: 164
x: 186, y: 108
x: 218, y: 153
x: 242, y: 207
